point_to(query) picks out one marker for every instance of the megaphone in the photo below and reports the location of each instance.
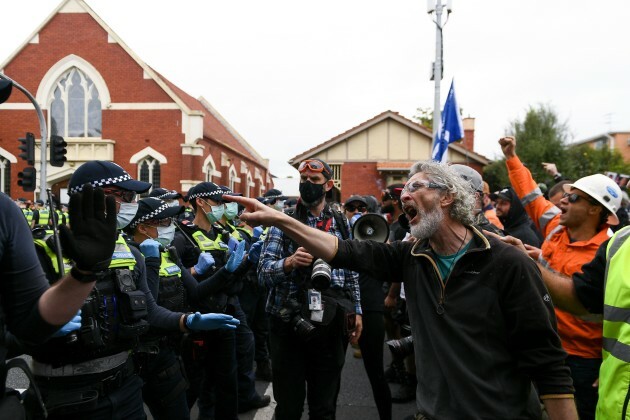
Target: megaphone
(371, 226)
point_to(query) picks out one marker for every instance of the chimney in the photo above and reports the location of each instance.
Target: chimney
(469, 133)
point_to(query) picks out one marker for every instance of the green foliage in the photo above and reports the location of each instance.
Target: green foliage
(584, 160)
(540, 137)
(424, 116)
(496, 175)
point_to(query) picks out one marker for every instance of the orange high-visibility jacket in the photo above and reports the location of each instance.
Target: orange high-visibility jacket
(579, 337)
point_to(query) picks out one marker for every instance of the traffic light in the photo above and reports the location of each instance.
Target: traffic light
(57, 151)
(28, 147)
(27, 179)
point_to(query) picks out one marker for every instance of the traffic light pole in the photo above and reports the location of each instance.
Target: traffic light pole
(43, 131)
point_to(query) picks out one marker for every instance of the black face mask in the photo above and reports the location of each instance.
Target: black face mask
(311, 193)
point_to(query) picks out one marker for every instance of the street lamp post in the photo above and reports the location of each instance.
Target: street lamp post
(436, 6)
(43, 132)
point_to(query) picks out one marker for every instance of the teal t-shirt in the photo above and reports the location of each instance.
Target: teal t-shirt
(446, 262)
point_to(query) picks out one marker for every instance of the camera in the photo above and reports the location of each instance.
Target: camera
(290, 313)
(320, 276)
(401, 348)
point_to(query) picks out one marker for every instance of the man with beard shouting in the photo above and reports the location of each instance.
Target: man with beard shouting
(310, 322)
(482, 321)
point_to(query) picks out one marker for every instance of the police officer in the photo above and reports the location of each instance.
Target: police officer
(41, 214)
(31, 310)
(91, 374)
(211, 364)
(152, 231)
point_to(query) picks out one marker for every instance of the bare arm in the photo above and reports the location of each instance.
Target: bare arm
(562, 291)
(318, 243)
(560, 408)
(62, 301)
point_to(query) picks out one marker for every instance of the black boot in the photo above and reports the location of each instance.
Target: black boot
(395, 372)
(406, 391)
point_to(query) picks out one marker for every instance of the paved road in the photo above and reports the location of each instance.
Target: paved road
(355, 399)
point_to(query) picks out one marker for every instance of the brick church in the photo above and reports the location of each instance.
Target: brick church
(109, 105)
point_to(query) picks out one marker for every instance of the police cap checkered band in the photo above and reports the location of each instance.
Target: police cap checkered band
(164, 194)
(100, 173)
(205, 189)
(153, 208)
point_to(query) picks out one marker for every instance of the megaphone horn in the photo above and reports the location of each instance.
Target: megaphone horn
(371, 226)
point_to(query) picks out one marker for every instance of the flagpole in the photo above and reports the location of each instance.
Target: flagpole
(437, 7)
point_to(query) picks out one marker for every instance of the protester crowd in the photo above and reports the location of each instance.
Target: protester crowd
(482, 296)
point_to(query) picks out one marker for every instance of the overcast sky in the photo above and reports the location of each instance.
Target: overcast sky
(291, 74)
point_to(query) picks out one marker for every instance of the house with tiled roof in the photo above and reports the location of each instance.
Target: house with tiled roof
(380, 151)
(110, 105)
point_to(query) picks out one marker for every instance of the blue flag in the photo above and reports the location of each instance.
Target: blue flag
(451, 128)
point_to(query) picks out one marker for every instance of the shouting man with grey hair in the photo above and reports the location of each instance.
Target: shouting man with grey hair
(482, 321)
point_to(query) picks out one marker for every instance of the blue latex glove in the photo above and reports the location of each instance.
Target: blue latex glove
(204, 263)
(206, 322)
(258, 230)
(232, 244)
(254, 252)
(236, 258)
(73, 325)
(150, 248)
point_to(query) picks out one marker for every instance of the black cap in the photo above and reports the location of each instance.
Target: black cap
(5, 90)
(506, 193)
(40, 202)
(228, 191)
(152, 208)
(205, 190)
(102, 173)
(358, 198)
(164, 194)
(272, 195)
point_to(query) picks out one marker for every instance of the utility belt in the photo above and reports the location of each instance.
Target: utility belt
(72, 388)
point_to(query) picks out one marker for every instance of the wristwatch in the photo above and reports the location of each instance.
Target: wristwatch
(87, 277)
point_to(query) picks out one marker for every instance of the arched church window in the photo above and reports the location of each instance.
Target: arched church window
(75, 108)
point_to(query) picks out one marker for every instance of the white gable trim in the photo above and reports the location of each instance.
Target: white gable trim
(206, 162)
(148, 152)
(8, 155)
(47, 85)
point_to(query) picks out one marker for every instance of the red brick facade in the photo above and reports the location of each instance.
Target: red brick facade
(143, 110)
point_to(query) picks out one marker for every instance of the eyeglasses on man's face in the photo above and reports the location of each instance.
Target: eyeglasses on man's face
(313, 165)
(413, 186)
(575, 197)
(125, 195)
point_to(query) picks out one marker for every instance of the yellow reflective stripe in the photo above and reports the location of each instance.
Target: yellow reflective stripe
(167, 267)
(122, 256)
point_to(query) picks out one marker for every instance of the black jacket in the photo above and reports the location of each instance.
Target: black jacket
(518, 224)
(495, 335)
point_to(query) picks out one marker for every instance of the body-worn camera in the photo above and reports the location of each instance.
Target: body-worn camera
(401, 348)
(321, 275)
(290, 313)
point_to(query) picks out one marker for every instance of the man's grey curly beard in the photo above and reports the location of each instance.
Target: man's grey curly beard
(428, 224)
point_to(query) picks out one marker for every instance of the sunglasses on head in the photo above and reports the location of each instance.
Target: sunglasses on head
(350, 207)
(126, 195)
(313, 165)
(414, 186)
(573, 197)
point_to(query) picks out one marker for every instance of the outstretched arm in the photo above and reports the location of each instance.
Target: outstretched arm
(318, 243)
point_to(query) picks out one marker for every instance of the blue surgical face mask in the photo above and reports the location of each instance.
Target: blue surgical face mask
(126, 213)
(231, 210)
(279, 205)
(173, 203)
(215, 214)
(165, 235)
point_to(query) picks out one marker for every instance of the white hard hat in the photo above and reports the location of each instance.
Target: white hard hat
(604, 190)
